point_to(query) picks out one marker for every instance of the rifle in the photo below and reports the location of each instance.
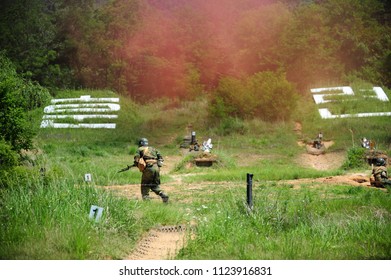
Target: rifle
(126, 168)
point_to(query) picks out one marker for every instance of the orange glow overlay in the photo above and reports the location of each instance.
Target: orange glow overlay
(185, 44)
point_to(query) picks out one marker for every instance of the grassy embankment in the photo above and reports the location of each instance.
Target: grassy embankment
(46, 217)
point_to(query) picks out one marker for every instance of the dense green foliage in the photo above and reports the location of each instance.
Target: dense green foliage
(8, 157)
(334, 41)
(17, 98)
(31, 38)
(264, 95)
(355, 158)
(148, 49)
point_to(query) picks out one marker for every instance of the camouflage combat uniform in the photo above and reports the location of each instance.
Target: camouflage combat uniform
(150, 179)
(380, 175)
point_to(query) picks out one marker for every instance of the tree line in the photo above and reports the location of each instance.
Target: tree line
(176, 48)
(185, 45)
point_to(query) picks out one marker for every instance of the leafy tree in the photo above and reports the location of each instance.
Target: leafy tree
(200, 48)
(308, 49)
(17, 98)
(96, 36)
(364, 40)
(232, 99)
(329, 40)
(29, 36)
(258, 35)
(78, 29)
(157, 60)
(276, 96)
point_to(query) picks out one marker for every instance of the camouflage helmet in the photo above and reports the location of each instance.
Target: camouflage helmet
(143, 142)
(380, 162)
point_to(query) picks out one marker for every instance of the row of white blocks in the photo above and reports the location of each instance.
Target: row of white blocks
(85, 104)
(319, 95)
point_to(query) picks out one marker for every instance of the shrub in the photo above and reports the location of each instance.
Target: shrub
(8, 158)
(355, 158)
(265, 95)
(17, 98)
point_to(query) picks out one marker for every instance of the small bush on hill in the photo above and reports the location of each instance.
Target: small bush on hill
(265, 95)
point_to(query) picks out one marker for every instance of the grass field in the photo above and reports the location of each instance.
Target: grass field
(45, 216)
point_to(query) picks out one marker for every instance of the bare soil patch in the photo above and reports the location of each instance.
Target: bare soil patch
(326, 161)
(356, 179)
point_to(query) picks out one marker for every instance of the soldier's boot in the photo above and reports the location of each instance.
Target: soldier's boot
(146, 197)
(164, 197)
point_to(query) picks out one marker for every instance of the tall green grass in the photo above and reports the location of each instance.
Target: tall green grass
(46, 217)
(42, 220)
(323, 223)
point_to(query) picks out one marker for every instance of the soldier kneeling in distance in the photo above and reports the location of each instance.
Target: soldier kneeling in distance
(379, 173)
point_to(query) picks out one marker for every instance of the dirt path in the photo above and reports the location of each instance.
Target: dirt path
(165, 242)
(160, 244)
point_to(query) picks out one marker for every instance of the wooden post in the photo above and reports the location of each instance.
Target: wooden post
(250, 191)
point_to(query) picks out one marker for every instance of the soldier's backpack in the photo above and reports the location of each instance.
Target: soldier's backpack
(141, 163)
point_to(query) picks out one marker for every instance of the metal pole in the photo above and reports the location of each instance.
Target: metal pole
(250, 191)
(193, 137)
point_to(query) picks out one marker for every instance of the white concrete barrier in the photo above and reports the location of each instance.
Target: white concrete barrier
(49, 123)
(84, 104)
(94, 107)
(326, 114)
(85, 98)
(80, 117)
(381, 95)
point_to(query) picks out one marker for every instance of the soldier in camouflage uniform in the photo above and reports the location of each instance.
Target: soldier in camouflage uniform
(318, 141)
(150, 179)
(380, 173)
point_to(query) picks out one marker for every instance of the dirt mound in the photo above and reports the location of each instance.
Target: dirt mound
(321, 160)
(326, 161)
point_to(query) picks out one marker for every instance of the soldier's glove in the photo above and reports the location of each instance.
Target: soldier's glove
(160, 162)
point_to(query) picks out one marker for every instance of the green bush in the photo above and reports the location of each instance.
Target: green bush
(355, 158)
(17, 98)
(265, 95)
(8, 158)
(18, 176)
